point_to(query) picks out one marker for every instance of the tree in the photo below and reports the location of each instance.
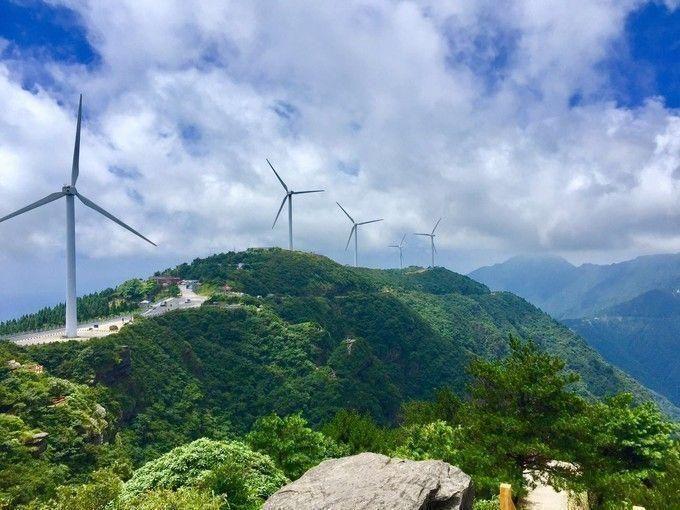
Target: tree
(436, 440)
(628, 447)
(196, 465)
(359, 433)
(291, 444)
(101, 489)
(521, 415)
(186, 498)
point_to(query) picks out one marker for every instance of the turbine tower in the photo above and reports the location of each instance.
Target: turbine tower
(400, 247)
(289, 197)
(431, 235)
(355, 232)
(70, 192)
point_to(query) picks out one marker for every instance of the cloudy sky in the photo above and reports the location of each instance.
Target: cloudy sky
(530, 126)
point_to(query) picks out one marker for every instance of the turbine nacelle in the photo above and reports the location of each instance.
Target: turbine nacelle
(69, 190)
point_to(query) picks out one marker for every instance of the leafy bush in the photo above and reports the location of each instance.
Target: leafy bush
(195, 465)
(185, 498)
(291, 444)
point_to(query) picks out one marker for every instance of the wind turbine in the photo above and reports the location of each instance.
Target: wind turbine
(400, 247)
(431, 235)
(289, 197)
(355, 232)
(70, 192)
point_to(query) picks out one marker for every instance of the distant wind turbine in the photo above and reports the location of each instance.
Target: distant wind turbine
(431, 235)
(70, 192)
(289, 197)
(355, 232)
(400, 247)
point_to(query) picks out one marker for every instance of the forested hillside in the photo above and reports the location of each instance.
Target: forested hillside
(642, 336)
(287, 333)
(629, 312)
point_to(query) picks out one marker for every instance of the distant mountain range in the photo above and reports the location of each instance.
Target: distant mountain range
(566, 291)
(629, 311)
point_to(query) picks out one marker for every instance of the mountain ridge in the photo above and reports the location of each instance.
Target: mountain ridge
(417, 329)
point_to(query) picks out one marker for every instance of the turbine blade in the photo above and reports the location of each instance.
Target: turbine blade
(343, 210)
(402, 240)
(42, 201)
(417, 234)
(435, 248)
(278, 177)
(393, 246)
(367, 222)
(110, 216)
(309, 191)
(354, 227)
(75, 169)
(280, 209)
(436, 225)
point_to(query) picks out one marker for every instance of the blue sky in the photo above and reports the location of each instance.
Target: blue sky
(645, 61)
(541, 127)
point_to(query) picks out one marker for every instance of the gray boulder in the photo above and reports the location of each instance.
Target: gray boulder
(376, 482)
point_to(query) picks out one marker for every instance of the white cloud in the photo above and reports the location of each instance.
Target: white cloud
(406, 110)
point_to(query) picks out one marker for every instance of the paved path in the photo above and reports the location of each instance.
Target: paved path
(544, 497)
(96, 329)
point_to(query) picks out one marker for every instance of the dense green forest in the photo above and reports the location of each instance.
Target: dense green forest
(629, 311)
(641, 337)
(108, 302)
(217, 407)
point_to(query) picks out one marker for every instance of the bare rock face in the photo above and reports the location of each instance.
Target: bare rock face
(376, 482)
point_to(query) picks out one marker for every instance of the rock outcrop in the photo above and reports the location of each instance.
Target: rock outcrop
(376, 482)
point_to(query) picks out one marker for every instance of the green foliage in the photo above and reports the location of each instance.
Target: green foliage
(628, 445)
(487, 504)
(353, 352)
(102, 488)
(291, 444)
(523, 415)
(185, 498)
(195, 465)
(436, 440)
(359, 433)
(51, 430)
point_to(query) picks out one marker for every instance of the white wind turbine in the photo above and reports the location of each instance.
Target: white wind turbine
(289, 197)
(70, 192)
(355, 232)
(431, 235)
(400, 247)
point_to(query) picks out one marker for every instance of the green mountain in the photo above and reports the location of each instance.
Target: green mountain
(566, 291)
(629, 312)
(283, 332)
(309, 334)
(641, 337)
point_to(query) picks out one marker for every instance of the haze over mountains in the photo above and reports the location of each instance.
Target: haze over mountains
(628, 311)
